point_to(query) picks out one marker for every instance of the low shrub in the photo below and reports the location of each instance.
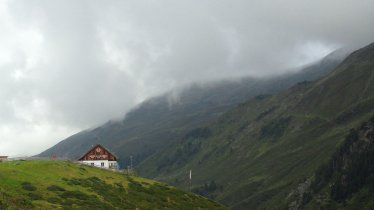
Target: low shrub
(28, 186)
(55, 188)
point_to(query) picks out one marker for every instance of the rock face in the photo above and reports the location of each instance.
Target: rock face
(349, 172)
(353, 162)
(299, 195)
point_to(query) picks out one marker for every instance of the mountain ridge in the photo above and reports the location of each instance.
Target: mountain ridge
(156, 122)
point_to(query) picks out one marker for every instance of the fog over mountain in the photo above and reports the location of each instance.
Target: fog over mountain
(70, 65)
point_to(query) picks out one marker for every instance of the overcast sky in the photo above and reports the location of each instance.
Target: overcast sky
(70, 65)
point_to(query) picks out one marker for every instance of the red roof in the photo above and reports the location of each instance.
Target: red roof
(99, 152)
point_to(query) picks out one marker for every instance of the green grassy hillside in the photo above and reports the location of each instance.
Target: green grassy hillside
(67, 185)
(256, 155)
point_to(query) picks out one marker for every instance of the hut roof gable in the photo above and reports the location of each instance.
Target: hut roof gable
(98, 152)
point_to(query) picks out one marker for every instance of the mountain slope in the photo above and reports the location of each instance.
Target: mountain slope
(162, 120)
(61, 184)
(255, 155)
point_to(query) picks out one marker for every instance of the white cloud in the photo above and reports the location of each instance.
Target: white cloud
(70, 65)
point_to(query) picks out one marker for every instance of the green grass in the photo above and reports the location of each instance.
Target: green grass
(67, 185)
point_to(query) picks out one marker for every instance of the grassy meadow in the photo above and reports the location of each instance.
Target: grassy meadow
(42, 184)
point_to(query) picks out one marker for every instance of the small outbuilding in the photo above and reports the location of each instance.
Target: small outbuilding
(101, 157)
(3, 158)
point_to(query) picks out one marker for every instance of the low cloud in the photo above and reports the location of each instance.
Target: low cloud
(71, 65)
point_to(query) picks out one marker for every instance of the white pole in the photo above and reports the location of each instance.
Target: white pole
(190, 179)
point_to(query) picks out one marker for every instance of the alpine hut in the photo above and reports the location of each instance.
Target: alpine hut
(101, 157)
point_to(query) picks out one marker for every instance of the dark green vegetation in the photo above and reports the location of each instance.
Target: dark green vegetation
(163, 120)
(264, 153)
(65, 185)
